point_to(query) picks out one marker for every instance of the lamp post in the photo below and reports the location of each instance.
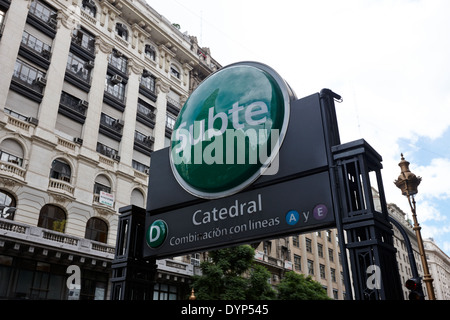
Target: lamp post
(408, 182)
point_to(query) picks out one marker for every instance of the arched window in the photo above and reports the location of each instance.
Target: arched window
(60, 170)
(11, 151)
(7, 205)
(89, 7)
(97, 230)
(122, 31)
(174, 71)
(150, 52)
(102, 183)
(52, 217)
(137, 198)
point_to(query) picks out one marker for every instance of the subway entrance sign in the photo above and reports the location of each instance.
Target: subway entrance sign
(248, 161)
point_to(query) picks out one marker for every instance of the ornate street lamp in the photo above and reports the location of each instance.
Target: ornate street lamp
(408, 182)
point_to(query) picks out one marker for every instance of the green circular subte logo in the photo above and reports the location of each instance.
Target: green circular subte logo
(156, 234)
(230, 130)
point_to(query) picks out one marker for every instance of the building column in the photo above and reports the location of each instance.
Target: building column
(129, 115)
(162, 89)
(55, 74)
(91, 125)
(14, 23)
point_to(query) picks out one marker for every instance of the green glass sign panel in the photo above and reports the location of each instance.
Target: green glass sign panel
(229, 130)
(156, 234)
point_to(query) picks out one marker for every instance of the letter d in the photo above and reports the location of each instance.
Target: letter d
(158, 233)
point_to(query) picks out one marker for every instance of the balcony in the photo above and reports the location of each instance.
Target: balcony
(61, 189)
(108, 152)
(111, 127)
(11, 172)
(26, 77)
(102, 207)
(143, 143)
(146, 114)
(73, 108)
(35, 50)
(20, 232)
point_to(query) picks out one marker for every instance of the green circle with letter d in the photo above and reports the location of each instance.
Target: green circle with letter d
(230, 130)
(156, 233)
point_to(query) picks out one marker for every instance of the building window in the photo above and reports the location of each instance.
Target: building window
(322, 271)
(89, 7)
(28, 76)
(111, 123)
(84, 39)
(73, 103)
(150, 52)
(145, 110)
(36, 45)
(308, 245)
(295, 241)
(162, 291)
(140, 166)
(60, 170)
(7, 205)
(11, 152)
(77, 67)
(43, 12)
(16, 114)
(329, 235)
(115, 87)
(137, 198)
(97, 230)
(102, 184)
(267, 247)
(333, 274)
(170, 121)
(122, 31)
(2, 19)
(52, 217)
(320, 250)
(310, 267)
(297, 262)
(174, 71)
(108, 151)
(331, 255)
(118, 61)
(148, 81)
(335, 294)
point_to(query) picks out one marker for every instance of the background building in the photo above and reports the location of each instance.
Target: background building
(316, 254)
(89, 88)
(439, 266)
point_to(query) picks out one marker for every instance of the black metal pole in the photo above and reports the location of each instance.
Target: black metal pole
(331, 139)
(412, 260)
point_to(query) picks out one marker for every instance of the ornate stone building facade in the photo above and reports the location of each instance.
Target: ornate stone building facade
(89, 88)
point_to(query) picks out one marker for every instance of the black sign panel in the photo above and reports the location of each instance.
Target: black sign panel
(298, 198)
(290, 207)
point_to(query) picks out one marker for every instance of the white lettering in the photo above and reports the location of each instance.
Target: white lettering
(250, 112)
(212, 118)
(306, 215)
(158, 233)
(236, 209)
(374, 280)
(234, 111)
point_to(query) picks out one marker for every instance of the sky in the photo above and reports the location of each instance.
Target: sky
(389, 60)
